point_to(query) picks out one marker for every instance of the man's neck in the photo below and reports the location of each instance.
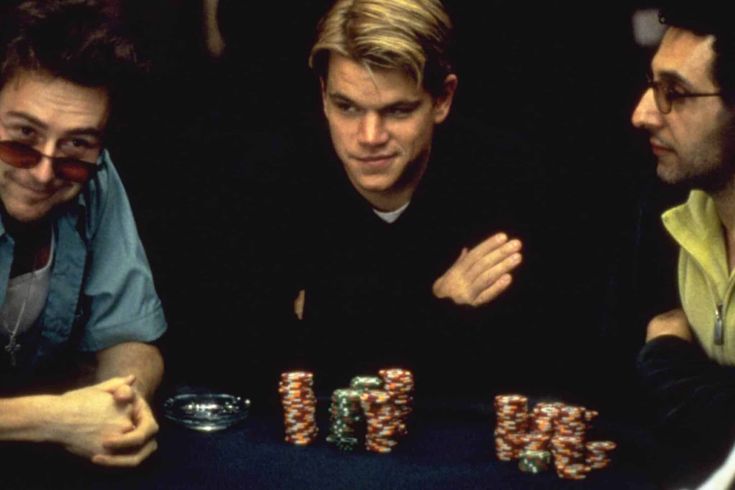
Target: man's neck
(32, 244)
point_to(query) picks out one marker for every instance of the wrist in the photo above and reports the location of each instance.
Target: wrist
(28, 418)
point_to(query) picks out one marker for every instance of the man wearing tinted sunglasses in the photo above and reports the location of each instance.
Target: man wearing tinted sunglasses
(74, 278)
(688, 361)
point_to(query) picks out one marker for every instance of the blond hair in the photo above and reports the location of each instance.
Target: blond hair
(410, 35)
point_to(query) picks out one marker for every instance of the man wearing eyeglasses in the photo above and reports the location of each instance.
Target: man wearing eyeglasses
(689, 112)
(74, 278)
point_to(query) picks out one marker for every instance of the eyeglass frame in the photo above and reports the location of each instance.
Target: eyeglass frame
(665, 99)
(56, 161)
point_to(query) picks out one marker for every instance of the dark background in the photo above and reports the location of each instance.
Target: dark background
(204, 144)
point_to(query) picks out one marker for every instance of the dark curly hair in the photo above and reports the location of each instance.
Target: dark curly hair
(76, 40)
(709, 18)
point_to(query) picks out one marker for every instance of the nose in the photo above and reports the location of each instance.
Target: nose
(43, 172)
(646, 114)
(372, 131)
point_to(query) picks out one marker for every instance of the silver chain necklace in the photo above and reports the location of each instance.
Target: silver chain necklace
(13, 346)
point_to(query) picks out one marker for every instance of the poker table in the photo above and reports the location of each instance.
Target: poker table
(450, 445)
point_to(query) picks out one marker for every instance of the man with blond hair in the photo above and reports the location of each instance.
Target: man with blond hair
(402, 247)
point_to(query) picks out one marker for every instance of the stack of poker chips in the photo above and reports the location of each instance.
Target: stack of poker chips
(569, 456)
(382, 420)
(346, 419)
(399, 384)
(551, 429)
(299, 407)
(512, 421)
(598, 454)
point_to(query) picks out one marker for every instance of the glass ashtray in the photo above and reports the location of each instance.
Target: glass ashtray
(206, 412)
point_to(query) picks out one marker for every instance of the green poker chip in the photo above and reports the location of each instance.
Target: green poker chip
(534, 461)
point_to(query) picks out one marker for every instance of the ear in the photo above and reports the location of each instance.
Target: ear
(323, 86)
(443, 103)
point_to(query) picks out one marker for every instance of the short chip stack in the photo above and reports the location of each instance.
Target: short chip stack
(382, 418)
(550, 429)
(299, 407)
(399, 385)
(598, 454)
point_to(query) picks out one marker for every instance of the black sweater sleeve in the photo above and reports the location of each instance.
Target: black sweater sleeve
(692, 396)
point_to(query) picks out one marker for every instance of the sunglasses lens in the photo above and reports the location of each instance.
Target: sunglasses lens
(18, 155)
(73, 169)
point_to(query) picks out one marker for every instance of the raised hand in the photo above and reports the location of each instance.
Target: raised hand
(481, 274)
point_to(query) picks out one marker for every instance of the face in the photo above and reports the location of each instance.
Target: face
(381, 126)
(692, 142)
(57, 118)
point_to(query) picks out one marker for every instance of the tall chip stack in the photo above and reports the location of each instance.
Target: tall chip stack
(512, 422)
(400, 385)
(299, 407)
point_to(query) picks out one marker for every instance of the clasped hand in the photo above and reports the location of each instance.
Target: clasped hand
(109, 423)
(481, 274)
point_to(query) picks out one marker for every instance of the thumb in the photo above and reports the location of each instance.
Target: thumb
(124, 394)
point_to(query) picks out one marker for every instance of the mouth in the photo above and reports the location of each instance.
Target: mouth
(376, 160)
(659, 149)
(36, 192)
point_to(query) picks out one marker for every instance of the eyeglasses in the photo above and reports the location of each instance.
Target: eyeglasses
(20, 155)
(665, 95)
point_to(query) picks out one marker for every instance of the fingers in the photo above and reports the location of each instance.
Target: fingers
(482, 273)
(493, 272)
(113, 384)
(128, 459)
(145, 428)
(494, 290)
(494, 281)
(492, 258)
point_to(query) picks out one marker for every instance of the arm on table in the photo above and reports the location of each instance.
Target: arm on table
(481, 274)
(692, 395)
(79, 419)
(109, 422)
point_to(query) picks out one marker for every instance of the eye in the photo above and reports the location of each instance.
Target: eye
(346, 107)
(23, 133)
(400, 111)
(76, 146)
(672, 92)
(79, 143)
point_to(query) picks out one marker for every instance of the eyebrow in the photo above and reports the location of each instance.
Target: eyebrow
(673, 76)
(83, 131)
(409, 103)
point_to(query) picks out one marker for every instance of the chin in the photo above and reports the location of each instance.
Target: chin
(24, 214)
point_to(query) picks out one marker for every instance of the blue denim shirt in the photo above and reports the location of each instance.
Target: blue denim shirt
(101, 289)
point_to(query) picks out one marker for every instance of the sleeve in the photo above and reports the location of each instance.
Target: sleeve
(118, 287)
(692, 396)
